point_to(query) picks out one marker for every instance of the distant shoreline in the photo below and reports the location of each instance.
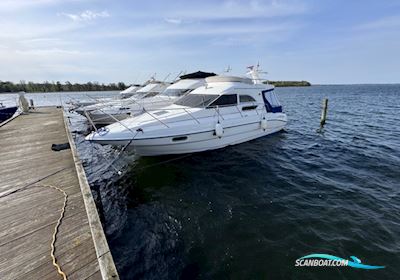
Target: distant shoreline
(31, 87)
(289, 83)
(95, 87)
(71, 91)
(48, 87)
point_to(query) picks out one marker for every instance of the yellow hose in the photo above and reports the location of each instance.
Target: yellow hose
(59, 270)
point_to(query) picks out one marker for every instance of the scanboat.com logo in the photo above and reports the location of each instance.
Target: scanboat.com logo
(330, 260)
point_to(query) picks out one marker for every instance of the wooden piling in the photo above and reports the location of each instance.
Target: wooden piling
(324, 112)
(32, 105)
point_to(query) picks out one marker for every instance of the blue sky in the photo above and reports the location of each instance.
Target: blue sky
(325, 41)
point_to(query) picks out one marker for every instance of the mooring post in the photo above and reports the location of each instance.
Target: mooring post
(324, 111)
(32, 106)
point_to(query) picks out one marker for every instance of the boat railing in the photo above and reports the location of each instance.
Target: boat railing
(154, 117)
(260, 110)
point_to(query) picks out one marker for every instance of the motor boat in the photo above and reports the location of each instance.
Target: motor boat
(7, 112)
(109, 113)
(130, 91)
(226, 111)
(134, 107)
(79, 106)
(151, 89)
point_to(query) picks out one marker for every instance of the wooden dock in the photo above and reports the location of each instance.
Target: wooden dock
(29, 209)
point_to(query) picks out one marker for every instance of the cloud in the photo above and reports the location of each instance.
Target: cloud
(48, 64)
(86, 15)
(173, 20)
(242, 9)
(50, 52)
(10, 5)
(385, 23)
(160, 31)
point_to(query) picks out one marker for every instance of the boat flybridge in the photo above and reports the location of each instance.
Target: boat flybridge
(226, 111)
(151, 89)
(134, 107)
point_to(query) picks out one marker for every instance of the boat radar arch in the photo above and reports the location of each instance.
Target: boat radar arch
(254, 72)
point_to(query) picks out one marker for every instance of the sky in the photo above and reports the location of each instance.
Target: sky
(321, 41)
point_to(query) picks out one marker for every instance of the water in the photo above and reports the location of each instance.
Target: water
(249, 211)
(57, 98)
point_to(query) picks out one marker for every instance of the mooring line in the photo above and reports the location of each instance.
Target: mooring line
(163, 162)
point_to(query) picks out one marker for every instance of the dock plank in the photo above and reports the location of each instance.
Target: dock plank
(29, 211)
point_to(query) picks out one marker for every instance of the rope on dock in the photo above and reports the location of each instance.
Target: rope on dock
(52, 245)
(34, 182)
(54, 237)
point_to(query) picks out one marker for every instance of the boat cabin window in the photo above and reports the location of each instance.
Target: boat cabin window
(224, 100)
(246, 98)
(196, 100)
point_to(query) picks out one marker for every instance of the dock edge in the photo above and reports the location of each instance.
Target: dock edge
(104, 257)
(10, 119)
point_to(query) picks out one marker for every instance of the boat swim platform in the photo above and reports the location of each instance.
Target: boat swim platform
(30, 209)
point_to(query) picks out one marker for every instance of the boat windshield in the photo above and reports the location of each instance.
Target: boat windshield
(175, 92)
(196, 100)
(139, 95)
(150, 94)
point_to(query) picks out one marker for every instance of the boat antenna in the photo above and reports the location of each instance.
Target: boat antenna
(177, 76)
(166, 77)
(228, 69)
(136, 79)
(254, 72)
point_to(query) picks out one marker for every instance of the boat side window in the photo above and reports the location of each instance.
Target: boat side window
(179, 138)
(247, 108)
(196, 100)
(224, 100)
(246, 98)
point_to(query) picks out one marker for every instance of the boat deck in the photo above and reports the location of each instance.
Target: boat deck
(29, 209)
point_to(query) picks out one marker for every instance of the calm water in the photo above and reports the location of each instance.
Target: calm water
(249, 211)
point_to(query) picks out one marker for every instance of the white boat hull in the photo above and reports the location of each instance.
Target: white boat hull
(201, 141)
(226, 112)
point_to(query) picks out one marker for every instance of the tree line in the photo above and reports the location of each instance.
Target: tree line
(58, 86)
(289, 83)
